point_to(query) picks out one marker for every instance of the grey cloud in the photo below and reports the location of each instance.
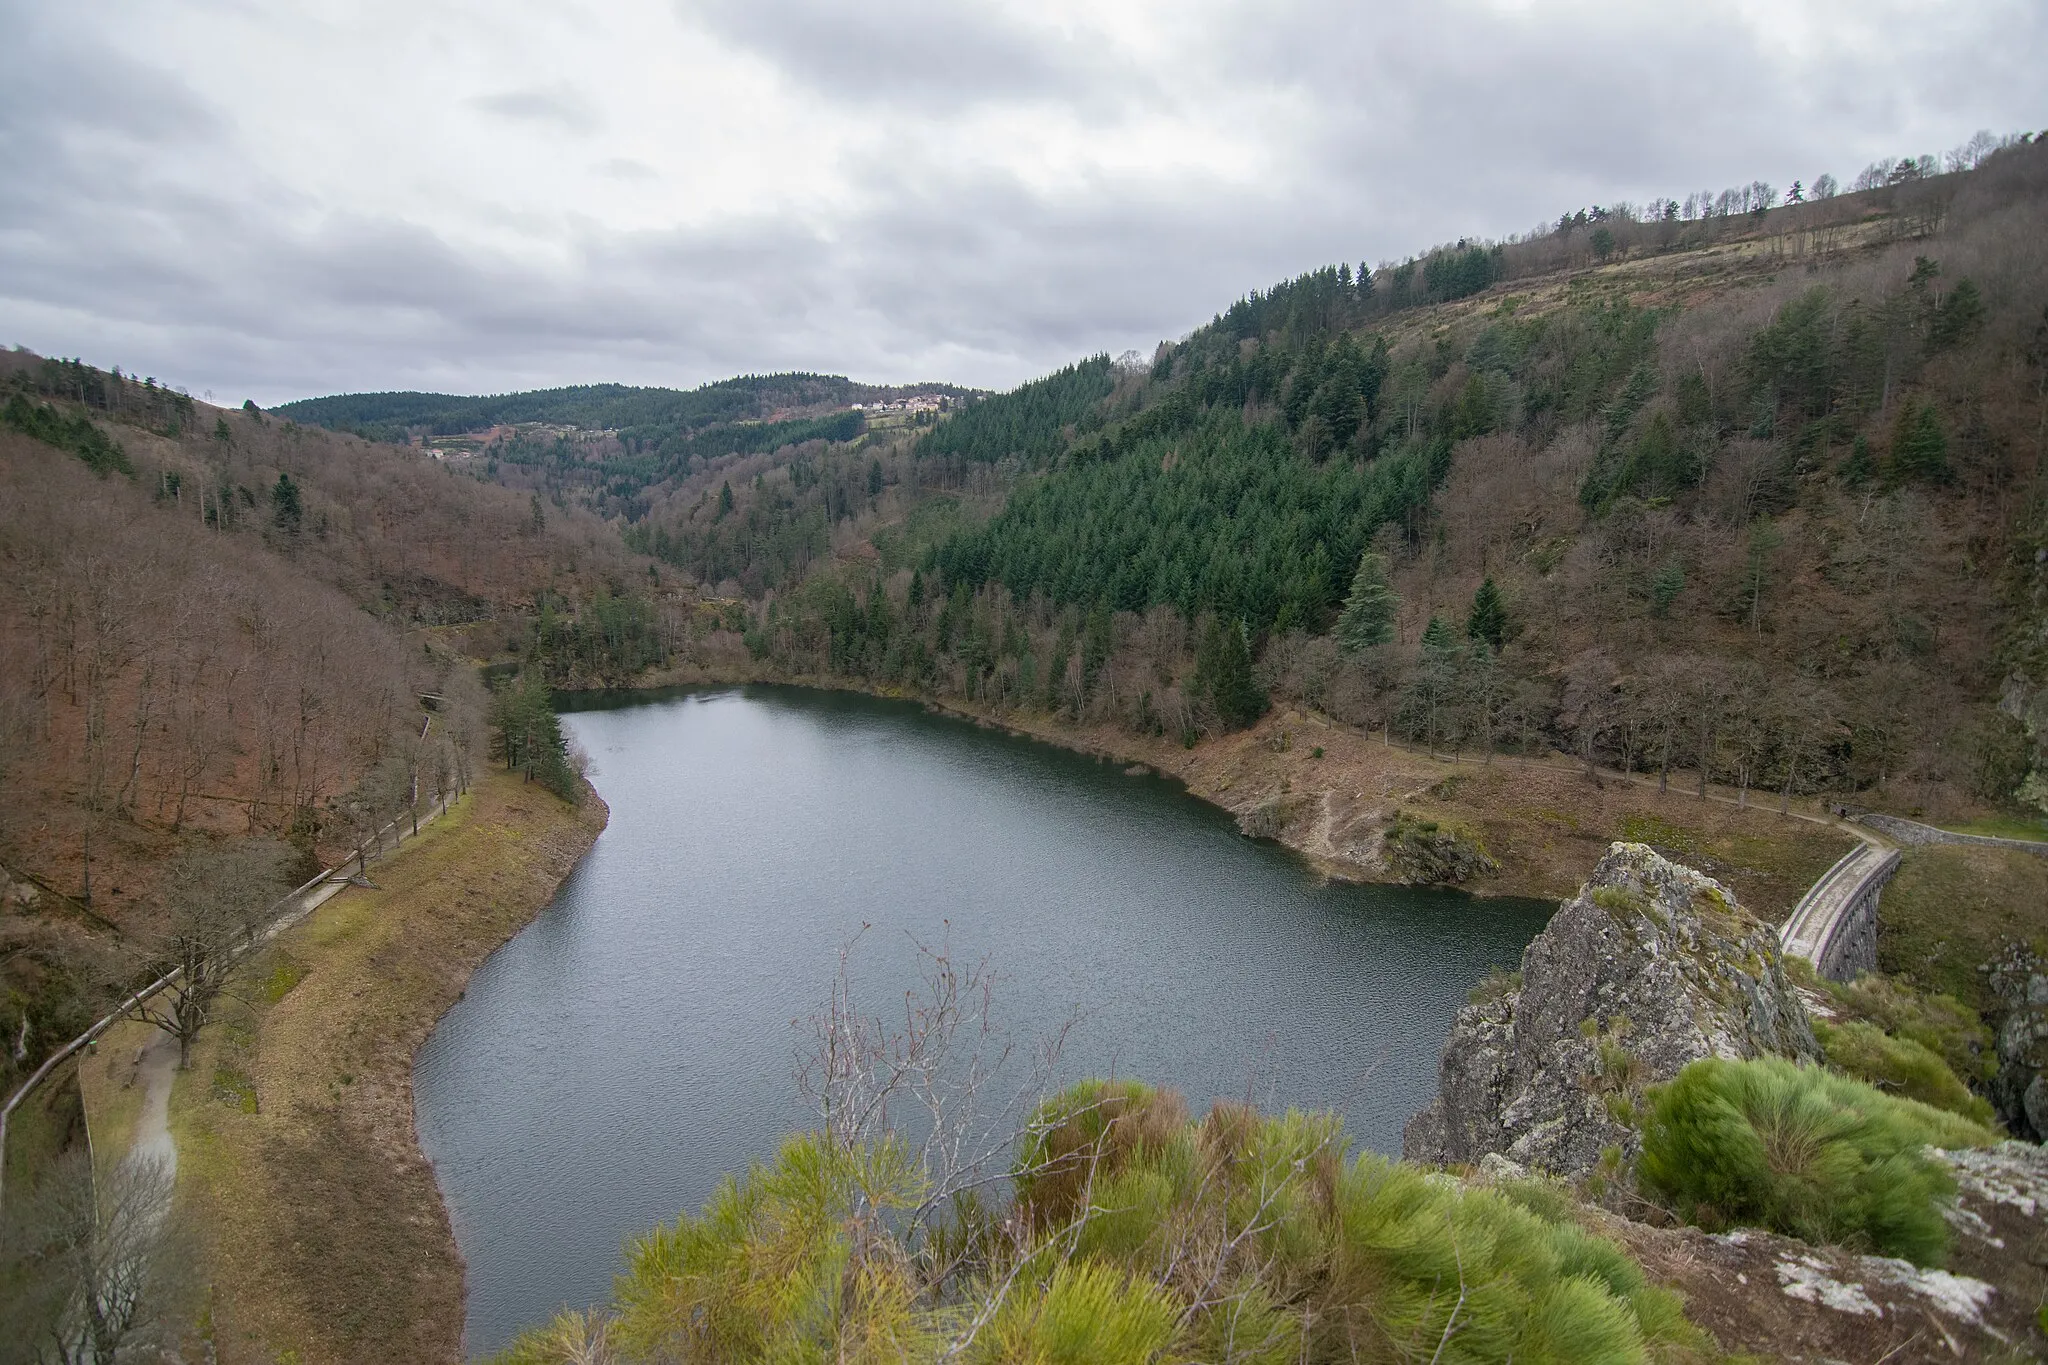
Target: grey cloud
(924, 52)
(1427, 123)
(625, 168)
(561, 107)
(54, 82)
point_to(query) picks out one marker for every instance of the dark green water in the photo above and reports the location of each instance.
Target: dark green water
(635, 1042)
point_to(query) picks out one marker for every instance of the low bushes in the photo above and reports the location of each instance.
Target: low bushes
(1802, 1151)
(1137, 1236)
(1900, 1066)
(1942, 1024)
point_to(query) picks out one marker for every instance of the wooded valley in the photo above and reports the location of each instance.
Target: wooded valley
(1746, 491)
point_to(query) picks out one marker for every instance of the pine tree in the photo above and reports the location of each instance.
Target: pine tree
(1368, 616)
(1223, 673)
(1437, 637)
(1489, 618)
(290, 510)
(1920, 447)
(1096, 642)
(1861, 467)
(527, 734)
(1665, 587)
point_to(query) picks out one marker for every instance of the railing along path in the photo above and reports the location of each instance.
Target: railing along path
(288, 910)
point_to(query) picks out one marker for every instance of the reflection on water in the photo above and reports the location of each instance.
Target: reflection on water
(633, 1044)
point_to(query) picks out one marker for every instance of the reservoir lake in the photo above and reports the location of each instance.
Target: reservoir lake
(638, 1041)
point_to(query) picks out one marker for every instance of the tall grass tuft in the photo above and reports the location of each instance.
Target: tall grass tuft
(1805, 1152)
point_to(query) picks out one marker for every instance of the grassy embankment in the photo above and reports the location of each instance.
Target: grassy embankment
(325, 1235)
(1952, 908)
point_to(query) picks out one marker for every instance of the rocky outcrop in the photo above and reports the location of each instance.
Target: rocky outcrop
(1424, 852)
(1651, 966)
(2020, 1090)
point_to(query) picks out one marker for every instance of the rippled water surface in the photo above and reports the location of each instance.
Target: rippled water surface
(635, 1042)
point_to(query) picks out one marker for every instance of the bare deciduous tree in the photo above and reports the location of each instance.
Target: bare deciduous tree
(95, 1264)
(216, 901)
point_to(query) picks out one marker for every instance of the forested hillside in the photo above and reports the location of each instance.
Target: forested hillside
(1748, 488)
(223, 624)
(618, 451)
(642, 413)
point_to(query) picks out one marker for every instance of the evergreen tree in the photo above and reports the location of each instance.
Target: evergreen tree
(1437, 637)
(1096, 642)
(1368, 615)
(1920, 447)
(1861, 467)
(1665, 587)
(288, 509)
(1957, 318)
(527, 734)
(1223, 673)
(725, 498)
(874, 479)
(1489, 618)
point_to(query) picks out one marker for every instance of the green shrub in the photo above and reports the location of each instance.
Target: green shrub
(1899, 1066)
(1086, 1314)
(1942, 1024)
(1802, 1151)
(1142, 1238)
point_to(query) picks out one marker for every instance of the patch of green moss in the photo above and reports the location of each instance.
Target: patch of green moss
(1650, 829)
(235, 1087)
(284, 972)
(1433, 851)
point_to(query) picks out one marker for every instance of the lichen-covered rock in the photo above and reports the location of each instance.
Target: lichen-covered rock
(1424, 852)
(1779, 1298)
(1271, 817)
(1651, 966)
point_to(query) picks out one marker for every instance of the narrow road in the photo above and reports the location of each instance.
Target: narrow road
(155, 1073)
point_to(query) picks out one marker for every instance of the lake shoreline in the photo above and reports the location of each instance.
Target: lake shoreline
(1334, 789)
(330, 1235)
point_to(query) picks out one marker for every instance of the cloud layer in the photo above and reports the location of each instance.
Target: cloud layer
(276, 201)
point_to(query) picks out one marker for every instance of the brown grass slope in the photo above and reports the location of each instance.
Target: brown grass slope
(327, 1236)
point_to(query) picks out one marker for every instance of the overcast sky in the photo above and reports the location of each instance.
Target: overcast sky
(280, 200)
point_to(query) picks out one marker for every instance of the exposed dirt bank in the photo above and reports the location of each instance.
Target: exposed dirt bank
(326, 1237)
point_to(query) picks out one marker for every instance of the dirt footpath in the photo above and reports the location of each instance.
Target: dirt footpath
(326, 1237)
